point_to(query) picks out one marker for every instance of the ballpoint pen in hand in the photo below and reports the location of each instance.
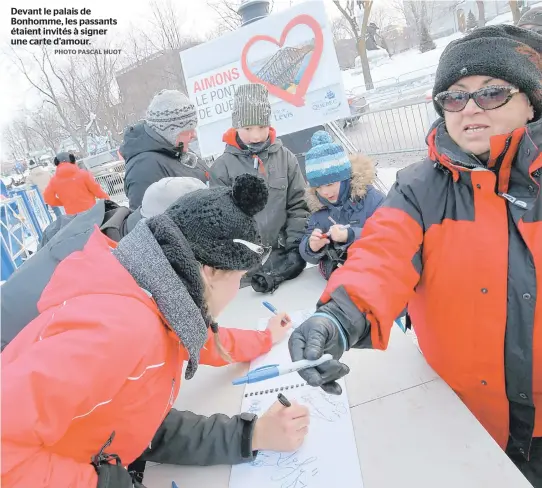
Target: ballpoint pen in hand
(273, 310)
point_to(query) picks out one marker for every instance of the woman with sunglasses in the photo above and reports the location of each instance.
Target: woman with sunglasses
(91, 379)
(459, 239)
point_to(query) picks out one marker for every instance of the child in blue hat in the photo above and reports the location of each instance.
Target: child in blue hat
(340, 198)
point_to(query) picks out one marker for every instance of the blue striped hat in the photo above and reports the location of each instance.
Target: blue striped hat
(326, 162)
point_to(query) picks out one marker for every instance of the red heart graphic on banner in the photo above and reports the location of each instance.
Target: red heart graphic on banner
(297, 98)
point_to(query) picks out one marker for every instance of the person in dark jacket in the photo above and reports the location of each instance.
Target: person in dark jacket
(252, 147)
(158, 147)
(459, 238)
(341, 198)
(157, 295)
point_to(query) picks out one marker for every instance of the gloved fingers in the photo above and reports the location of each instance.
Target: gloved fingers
(296, 345)
(332, 371)
(316, 337)
(332, 388)
(311, 376)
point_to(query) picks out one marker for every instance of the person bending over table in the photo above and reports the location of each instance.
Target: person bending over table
(86, 385)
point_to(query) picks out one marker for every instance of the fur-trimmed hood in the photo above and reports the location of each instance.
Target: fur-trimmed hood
(363, 175)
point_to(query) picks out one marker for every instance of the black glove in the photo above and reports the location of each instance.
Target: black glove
(282, 265)
(337, 326)
(316, 336)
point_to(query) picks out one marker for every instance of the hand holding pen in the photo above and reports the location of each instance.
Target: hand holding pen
(279, 324)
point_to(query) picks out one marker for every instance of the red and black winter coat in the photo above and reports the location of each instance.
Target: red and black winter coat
(462, 245)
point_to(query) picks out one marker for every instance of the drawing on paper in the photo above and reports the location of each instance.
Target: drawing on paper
(324, 406)
(292, 470)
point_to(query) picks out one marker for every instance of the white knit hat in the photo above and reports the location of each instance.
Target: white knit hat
(160, 195)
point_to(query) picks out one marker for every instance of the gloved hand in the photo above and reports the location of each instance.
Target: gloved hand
(316, 336)
(115, 476)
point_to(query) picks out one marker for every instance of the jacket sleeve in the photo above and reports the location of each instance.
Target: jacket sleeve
(383, 267)
(306, 252)
(219, 173)
(94, 187)
(49, 196)
(242, 345)
(375, 198)
(185, 438)
(297, 211)
(139, 176)
(63, 376)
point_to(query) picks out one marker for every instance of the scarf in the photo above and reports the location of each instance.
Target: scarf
(178, 289)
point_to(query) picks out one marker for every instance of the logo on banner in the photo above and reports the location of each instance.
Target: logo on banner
(289, 72)
(329, 104)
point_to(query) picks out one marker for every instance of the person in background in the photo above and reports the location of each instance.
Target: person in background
(341, 198)
(459, 238)
(158, 147)
(73, 399)
(72, 188)
(252, 147)
(41, 177)
(532, 20)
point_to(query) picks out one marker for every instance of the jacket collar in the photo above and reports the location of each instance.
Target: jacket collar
(518, 150)
(363, 175)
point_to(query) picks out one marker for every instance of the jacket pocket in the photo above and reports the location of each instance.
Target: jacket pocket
(278, 184)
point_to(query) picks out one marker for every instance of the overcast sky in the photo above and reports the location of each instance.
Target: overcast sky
(17, 94)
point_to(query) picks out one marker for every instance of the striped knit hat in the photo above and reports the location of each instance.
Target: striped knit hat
(170, 113)
(251, 106)
(326, 162)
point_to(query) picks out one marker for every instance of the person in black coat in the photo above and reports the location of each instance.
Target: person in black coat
(158, 147)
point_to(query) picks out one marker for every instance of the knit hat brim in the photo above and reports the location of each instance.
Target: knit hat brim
(503, 52)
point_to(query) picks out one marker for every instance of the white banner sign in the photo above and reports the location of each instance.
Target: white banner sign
(291, 53)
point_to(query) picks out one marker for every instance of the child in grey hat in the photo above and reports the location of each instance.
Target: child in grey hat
(252, 147)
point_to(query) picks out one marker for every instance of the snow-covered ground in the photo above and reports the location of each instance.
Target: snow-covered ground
(411, 64)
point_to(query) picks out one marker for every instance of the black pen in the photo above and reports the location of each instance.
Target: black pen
(282, 399)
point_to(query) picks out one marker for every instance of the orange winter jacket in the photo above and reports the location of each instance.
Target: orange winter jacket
(461, 243)
(72, 188)
(99, 358)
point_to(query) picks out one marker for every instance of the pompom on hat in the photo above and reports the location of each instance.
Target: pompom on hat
(212, 219)
(326, 162)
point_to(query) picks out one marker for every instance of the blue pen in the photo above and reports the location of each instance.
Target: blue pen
(274, 370)
(273, 310)
(174, 485)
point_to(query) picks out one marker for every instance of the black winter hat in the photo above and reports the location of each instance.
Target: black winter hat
(500, 51)
(211, 219)
(64, 157)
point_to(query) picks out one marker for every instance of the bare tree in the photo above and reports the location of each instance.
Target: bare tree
(49, 83)
(481, 13)
(229, 18)
(516, 13)
(350, 11)
(419, 13)
(341, 29)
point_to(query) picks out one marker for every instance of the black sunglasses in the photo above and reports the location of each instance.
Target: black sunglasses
(488, 98)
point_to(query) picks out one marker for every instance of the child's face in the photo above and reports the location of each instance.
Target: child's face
(330, 192)
(253, 134)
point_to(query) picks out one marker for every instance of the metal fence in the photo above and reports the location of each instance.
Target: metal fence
(399, 129)
(113, 183)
